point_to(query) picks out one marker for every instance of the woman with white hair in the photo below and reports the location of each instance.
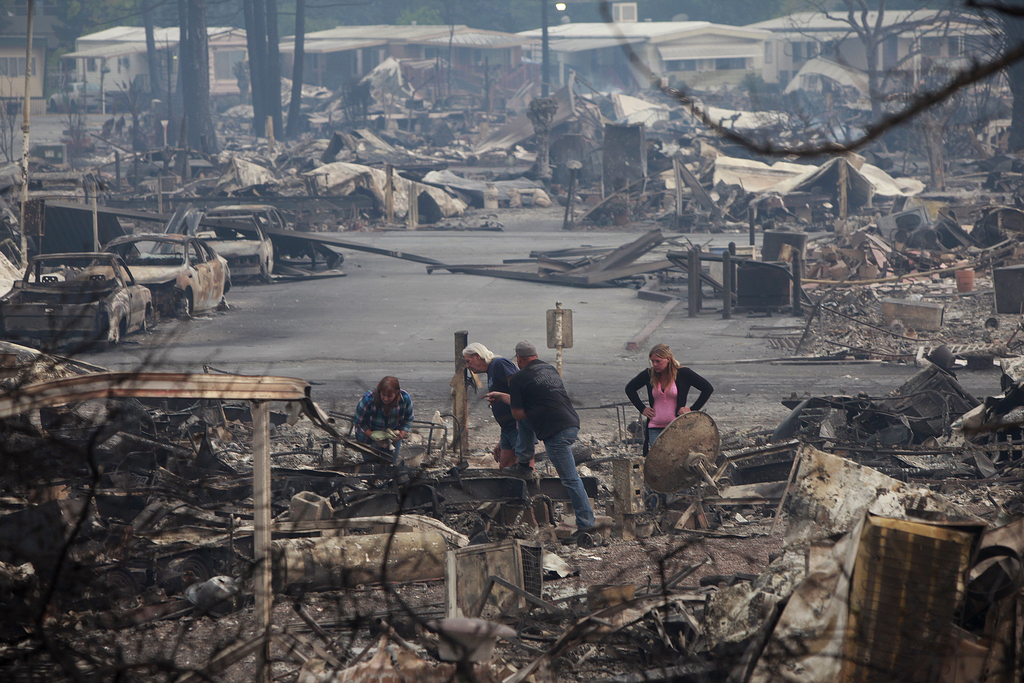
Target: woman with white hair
(480, 359)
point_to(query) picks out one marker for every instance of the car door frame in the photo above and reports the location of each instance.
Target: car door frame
(136, 303)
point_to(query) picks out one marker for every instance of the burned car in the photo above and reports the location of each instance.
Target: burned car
(87, 296)
(266, 215)
(240, 240)
(184, 274)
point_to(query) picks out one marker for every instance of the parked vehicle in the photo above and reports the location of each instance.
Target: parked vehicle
(269, 218)
(267, 215)
(240, 239)
(88, 296)
(184, 274)
(87, 97)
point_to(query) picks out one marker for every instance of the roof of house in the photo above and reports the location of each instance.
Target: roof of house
(342, 38)
(163, 36)
(655, 31)
(584, 44)
(480, 38)
(460, 34)
(835, 22)
(321, 45)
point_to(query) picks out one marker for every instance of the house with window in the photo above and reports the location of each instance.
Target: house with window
(116, 57)
(912, 42)
(12, 52)
(12, 70)
(338, 55)
(691, 53)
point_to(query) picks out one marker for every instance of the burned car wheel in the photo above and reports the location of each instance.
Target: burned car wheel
(265, 274)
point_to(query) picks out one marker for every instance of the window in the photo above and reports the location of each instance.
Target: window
(124, 63)
(798, 52)
(812, 50)
(224, 63)
(15, 66)
(828, 49)
(955, 46)
(932, 47)
(681, 65)
(624, 12)
(90, 64)
(730, 64)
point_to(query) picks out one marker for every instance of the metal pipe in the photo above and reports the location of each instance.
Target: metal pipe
(26, 115)
(726, 285)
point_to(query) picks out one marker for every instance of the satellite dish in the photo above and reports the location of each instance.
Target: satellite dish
(564, 20)
(681, 17)
(684, 453)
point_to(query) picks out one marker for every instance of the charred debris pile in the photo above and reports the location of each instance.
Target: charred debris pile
(130, 522)
(133, 521)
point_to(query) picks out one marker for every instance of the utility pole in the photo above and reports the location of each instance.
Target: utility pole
(544, 51)
(26, 113)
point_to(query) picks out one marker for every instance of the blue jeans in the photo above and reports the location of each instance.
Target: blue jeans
(652, 435)
(559, 449)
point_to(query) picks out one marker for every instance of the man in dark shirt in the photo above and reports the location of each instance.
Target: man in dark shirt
(541, 404)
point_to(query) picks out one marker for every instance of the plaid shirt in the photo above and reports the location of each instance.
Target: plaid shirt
(370, 416)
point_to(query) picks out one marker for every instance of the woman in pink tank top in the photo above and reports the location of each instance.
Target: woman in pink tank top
(667, 383)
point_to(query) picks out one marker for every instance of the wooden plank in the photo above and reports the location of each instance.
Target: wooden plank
(614, 274)
(261, 521)
(700, 193)
(625, 254)
(643, 335)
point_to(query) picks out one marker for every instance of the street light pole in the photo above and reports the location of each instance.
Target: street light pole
(26, 107)
(545, 61)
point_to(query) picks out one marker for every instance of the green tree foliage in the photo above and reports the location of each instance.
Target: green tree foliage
(81, 17)
(422, 15)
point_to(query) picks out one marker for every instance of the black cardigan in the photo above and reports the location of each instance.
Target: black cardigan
(685, 378)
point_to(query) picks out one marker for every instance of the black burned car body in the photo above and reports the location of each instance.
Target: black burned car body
(184, 274)
(91, 296)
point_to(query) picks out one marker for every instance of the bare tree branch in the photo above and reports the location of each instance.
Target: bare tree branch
(975, 73)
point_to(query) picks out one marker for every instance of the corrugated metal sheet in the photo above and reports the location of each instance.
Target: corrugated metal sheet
(68, 228)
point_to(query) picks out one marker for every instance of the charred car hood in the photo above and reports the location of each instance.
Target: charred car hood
(234, 248)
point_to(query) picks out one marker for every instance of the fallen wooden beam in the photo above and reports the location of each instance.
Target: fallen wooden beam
(643, 335)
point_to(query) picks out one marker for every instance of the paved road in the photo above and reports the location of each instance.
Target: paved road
(388, 316)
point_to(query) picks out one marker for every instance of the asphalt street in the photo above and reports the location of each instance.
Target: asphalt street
(388, 316)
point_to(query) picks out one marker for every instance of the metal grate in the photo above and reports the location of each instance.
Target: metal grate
(533, 567)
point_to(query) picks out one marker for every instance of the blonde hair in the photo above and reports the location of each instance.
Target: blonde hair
(663, 351)
(478, 349)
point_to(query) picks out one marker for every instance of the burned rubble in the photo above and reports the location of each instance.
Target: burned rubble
(859, 534)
